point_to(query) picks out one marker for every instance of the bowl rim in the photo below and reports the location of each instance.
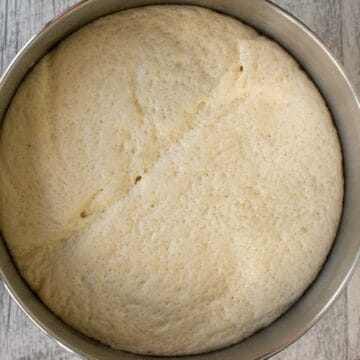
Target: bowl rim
(3, 272)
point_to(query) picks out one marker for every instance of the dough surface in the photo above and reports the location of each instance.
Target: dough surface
(170, 180)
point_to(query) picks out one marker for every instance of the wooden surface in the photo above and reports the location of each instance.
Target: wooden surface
(337, 335)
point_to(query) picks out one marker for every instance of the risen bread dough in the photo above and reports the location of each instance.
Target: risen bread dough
(170, 181)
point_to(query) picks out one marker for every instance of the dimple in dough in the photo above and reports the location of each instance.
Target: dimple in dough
(170, 180)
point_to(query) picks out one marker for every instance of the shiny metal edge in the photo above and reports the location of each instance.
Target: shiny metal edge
(36, 322)
(320, 42)
(345, 77)
(329, 303)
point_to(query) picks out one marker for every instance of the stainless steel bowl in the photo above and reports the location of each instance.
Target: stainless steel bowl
(330, 78)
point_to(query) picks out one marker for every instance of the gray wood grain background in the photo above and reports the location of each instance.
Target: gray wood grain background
(337, 335)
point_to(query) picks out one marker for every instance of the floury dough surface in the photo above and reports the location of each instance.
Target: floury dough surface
(170, 181)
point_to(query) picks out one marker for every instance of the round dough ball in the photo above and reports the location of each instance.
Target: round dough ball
(170, 180)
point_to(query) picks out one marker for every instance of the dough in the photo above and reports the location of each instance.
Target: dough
(170, 180)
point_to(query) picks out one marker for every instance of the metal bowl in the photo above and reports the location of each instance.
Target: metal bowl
(330, 78)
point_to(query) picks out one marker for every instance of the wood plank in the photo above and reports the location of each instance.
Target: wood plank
(351, 61)
(337, 335)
